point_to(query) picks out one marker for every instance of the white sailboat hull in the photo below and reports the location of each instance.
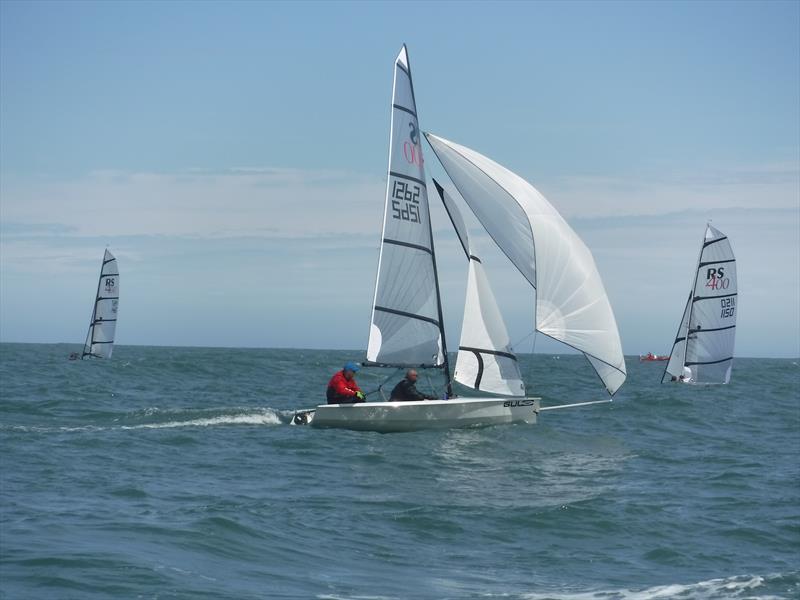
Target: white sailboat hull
(388, 417)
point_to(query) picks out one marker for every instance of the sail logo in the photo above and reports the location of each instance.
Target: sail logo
(110, 282)
(517, 403)
(411, 150)
(716, 280)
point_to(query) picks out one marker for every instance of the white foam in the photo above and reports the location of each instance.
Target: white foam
(266, 417)
(742, 587)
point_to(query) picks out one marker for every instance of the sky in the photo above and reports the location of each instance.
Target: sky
(233, 157)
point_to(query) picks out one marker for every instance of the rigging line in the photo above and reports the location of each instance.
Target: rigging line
(517, 343)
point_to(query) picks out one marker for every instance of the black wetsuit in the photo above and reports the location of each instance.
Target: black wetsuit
(406, 391)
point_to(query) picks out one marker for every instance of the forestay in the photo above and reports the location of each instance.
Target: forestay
(406, 323)
(100, 339)
(703, 348)
(485, 359)
(571, 302)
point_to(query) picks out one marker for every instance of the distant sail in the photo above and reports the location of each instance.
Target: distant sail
(571, 302)
(703, 349)
(485, 360)
(406, 324)
(100, 339)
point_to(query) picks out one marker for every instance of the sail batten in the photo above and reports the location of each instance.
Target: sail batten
(102, 326)
(703, 349)
(406, 322)
(571, 302)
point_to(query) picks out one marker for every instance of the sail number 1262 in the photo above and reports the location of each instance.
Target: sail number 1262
(405, 201)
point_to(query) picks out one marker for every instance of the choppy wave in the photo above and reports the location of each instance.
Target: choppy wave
(165, 473)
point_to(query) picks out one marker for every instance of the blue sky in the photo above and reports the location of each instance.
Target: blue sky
(233, 155)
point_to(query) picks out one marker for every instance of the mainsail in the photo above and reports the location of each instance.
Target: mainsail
(406, 324)
(571, 302)
(100, 339)
(486, 361)
(703, 348)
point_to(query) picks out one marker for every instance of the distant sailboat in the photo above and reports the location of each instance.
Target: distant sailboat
(100, 339)
(703, 348)
(406, 326)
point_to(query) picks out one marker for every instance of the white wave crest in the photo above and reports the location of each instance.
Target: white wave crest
(742, 587)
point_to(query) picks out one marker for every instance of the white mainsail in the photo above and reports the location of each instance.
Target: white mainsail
(571, 302)
(100, 339)
(486, 361)
(406, 324)
(703, 349)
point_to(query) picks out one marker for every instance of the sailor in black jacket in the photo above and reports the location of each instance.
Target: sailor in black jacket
(406, 390)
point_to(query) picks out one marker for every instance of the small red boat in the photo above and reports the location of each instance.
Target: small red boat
(650, 357)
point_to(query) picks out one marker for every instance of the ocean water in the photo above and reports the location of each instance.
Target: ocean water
(172, 473)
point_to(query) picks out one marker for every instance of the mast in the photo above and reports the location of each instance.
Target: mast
(446, 364)
(90, 333)
(690, 305)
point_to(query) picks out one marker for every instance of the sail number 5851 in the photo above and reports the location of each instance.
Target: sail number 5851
(405, 201)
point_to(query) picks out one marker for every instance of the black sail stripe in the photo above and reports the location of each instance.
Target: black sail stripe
(487, 351)
(714, 241)
(403, 313)
(715, 262)
(480, 369)
(710, 330)
(709, 362)
(404, 109)
(400, 66)
(697, 298)
(407, 245)
(409, 177)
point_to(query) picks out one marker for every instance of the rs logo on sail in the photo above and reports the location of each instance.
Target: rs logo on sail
(716, 280)
(109, 284)
(411, 150)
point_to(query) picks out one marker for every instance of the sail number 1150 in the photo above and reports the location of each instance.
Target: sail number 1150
(405, 201)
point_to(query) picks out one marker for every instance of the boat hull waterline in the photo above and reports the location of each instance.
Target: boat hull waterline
(388, 417)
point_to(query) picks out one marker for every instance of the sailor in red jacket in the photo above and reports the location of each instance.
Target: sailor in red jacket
(343, 389)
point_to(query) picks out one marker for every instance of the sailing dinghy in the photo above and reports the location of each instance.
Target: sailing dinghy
(407, 329)
(703, 349)
(100, 339)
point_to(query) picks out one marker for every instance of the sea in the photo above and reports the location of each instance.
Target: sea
(172, 473)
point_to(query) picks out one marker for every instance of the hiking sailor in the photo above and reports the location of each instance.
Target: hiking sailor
(343, 389)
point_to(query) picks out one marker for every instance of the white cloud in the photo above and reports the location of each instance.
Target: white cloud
(304, 246)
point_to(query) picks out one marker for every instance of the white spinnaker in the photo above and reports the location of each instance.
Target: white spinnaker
(406, 328)
(712, 317)
(678, 355)
(100, 339)
(485, 360)
(571, 302)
